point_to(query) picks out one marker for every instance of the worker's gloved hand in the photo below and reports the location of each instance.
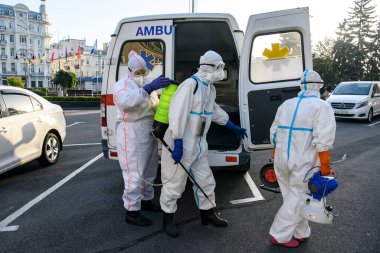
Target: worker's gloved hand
(324, 157)
(274, 152)
(241, 132)
(158, 83)
(178, 150)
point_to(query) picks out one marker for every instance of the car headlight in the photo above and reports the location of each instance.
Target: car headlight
(360, 105)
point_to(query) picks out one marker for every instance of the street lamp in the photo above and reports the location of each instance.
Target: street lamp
(25, 54)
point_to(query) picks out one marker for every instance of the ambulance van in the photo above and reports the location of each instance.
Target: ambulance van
(262, 68)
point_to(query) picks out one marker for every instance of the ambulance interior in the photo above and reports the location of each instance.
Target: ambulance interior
(193, 39)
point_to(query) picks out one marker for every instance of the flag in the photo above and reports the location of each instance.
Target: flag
(42, 58)
(52, 58)
(78, 52)
(94, 47)
(33, 60)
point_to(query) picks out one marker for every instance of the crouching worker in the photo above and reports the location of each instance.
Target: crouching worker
(136, 101)
(303, 132)
(191, 111)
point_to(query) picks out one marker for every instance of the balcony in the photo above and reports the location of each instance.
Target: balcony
(3, 42)
(10, 73)
(37, 73)
(2, 28)
(3, 56)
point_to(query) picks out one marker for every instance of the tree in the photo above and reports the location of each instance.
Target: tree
(323, 61)
(373, 64)
(353, 47)
(65, 79)
(15, 81)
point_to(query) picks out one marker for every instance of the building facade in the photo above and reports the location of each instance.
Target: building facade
(88, 66)
(24, 45)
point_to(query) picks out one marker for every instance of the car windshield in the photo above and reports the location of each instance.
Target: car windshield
(352, 89)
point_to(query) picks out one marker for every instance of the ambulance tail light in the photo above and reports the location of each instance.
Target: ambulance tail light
(231, 159)
(103, 100)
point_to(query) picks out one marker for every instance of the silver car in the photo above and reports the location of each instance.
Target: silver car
(30, 128)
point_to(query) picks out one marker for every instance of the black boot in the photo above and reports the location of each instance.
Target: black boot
(135, 218)
(148, 205)
(169, 225)
(209, 216)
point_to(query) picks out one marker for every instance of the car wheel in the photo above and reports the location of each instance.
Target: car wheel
(370, 116)
(50, 149)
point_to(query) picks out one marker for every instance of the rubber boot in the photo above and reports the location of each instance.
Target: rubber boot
(210, 217)
(148, 205)
(169, 225)
(135, 218)
(293, 243)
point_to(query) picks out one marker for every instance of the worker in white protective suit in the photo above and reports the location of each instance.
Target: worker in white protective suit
(191, 111)
(136, 101)
(302, 133)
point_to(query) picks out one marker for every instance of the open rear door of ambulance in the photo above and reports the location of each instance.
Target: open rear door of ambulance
(153, 40)
(276, 51)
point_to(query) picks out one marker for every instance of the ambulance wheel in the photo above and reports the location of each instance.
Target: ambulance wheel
(244, 167)
(268, 176)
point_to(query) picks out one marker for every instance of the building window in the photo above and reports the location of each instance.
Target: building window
(12, 52)
(4, 67)
(22, 38)
(39, 70)
(13, 67)
(39, 42)
(38, 29)
(23, 67)
(32, 68)
(2, 37)
(88, 61)
(40, 84)
(3, 51)
(11, 38)
(21, 15)
(11, 14)
(33, 84)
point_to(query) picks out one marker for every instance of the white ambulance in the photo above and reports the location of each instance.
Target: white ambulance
(262, 69)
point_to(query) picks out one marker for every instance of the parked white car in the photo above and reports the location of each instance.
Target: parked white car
(356, 100)
(30, 127)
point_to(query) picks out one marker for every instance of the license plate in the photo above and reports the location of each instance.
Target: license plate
(341, 112)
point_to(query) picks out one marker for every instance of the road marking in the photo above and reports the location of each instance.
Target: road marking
(374, 123)
(341, 160)
(75, 123)
(9, 228)
(4, 223)
(81, 144)
(80, 112)
(255, 191)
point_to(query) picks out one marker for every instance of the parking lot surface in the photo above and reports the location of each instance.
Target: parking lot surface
(75, 205)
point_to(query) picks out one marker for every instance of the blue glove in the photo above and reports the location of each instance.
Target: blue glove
(158, 83)
(178, 150)
(240, 132)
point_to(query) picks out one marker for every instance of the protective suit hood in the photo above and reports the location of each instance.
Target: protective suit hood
(310, 83)
(211, 67)
(136, 64)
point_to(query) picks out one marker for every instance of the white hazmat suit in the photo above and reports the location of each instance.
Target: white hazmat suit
(188, 111)
(137, 149)
(303, 127)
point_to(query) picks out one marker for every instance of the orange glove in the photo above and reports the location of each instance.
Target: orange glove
(324, 157)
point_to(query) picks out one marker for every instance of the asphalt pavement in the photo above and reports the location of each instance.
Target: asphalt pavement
(75, 205)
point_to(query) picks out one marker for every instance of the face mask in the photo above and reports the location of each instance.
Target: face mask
(139, 80)
(215, 76)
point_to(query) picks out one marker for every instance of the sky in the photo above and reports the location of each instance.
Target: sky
(97, 19)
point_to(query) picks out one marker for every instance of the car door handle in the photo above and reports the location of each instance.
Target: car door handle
(4, 129)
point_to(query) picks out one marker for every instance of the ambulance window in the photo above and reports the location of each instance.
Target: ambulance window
(276, 57)
(153, 51)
